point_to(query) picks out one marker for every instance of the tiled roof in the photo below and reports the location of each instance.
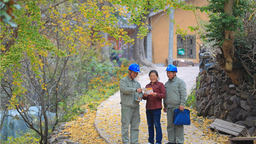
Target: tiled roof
(127, 26)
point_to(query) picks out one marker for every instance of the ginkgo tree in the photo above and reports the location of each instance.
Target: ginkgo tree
(227, 29)
(37, 56)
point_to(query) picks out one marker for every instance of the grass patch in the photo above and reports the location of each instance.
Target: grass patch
(30, 137)
(191, 100)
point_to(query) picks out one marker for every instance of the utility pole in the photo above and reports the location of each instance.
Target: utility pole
(170, 52)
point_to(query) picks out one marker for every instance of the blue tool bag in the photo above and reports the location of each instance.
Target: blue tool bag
(181, 117)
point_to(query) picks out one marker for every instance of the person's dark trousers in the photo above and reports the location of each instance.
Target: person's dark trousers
(153, 118)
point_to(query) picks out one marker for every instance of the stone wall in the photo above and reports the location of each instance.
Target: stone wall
(217, 96)
(60, 137)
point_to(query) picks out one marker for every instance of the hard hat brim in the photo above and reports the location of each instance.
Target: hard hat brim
(135, 71)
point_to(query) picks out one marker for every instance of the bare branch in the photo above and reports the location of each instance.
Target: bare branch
(53, 5)
(2, 120)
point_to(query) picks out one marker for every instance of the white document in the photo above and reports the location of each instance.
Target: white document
(148, 90)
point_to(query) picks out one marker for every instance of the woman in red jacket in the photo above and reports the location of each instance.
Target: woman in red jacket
(154, 107)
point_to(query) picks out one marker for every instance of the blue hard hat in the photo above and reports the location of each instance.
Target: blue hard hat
(134, 67)
(171, 68)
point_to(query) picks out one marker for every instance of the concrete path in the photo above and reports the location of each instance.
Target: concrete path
(108, 119)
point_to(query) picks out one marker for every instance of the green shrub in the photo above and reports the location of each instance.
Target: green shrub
(191, 100)
(101, 87)
(30, 137)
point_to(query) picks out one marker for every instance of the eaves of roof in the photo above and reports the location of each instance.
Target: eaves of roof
(154, 13)
(126, 26)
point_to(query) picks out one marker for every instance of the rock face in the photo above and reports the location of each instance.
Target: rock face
(250, 121)
(244, 105)
(217, 96)
(245, 95)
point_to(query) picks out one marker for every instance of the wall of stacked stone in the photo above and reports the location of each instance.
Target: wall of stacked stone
(217, 96)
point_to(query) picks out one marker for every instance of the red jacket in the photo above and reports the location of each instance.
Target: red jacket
(155, 102)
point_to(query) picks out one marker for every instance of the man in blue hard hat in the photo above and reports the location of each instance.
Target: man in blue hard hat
(176, 95)
(131, 94)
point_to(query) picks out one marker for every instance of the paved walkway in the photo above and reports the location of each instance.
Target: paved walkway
(108, 119)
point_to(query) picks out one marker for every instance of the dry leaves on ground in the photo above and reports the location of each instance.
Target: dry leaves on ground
(109, 123)
(109, 120)
(82, 129)
(203, 124)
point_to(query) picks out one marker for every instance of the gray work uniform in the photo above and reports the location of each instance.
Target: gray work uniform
(130, 110)
(176, 95)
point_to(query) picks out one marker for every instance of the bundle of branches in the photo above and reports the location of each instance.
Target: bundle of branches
(246, 47)
(213, 50)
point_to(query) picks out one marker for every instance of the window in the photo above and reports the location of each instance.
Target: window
(186, 46)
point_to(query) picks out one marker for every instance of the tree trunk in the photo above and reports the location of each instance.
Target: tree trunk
(138, 51)
(43, 106)
(228, 44)
(226, 61)
(105, 48)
